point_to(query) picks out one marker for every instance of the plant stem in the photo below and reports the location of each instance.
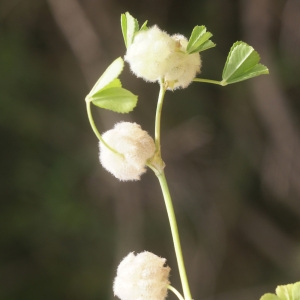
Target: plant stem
(179, 296)
(161, 96)
(158, 169)
(98, 135)
(210, 81)
(175, 235)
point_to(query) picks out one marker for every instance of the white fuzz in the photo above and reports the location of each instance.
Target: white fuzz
(154, 55)
(142, 277)
(183, 67)
(149, 53)
(136, 147)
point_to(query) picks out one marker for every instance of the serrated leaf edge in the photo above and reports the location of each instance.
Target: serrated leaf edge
(235, 48)
(191, 46)
(125, 19)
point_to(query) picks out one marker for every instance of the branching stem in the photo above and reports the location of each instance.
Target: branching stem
(168, 200)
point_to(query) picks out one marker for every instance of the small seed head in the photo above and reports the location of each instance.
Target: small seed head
(142, 277)
(154, 55)
(135, 145)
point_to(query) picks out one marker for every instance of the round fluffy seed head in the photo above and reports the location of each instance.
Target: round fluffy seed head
(149, 53)
(154, 55)
(142, 277)
(136, 147)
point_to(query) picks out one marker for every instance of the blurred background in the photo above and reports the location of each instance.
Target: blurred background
(232, 153)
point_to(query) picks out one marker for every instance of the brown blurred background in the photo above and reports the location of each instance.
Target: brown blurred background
(232, 153)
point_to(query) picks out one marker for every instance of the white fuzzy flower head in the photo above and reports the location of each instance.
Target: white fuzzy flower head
(136, 147)
(154, 56)
(142, 277)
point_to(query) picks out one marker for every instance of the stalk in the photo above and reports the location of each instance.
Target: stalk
(175, 235)
(157, 166)
(210, 81)
(160, 101)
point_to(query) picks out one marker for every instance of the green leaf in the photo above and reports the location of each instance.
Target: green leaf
(207, 45)
(129, 27)
(289, 291)
(296, 291)
(242, 63)
(116, 99)
(108, 77)
(144, 26)
(115, 83)
(108, 92)
(199, 40)
(269, 297)
(284, 292)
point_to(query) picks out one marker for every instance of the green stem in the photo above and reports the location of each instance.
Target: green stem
(175, 235)
(179, 296)
(210, 81)
(161, 96)
(157, 166)
(98, 135)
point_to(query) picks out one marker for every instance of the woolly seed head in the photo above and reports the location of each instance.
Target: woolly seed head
(136, 147)
(142, 277)
(149, 53)
(155, 55)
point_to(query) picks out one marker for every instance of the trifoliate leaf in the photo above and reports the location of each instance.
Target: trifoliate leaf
(199, 40)
(129, 27)
(242, 63)
(116, 99)
(109, 76)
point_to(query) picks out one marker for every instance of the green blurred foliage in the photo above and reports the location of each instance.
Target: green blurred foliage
(232, 163)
